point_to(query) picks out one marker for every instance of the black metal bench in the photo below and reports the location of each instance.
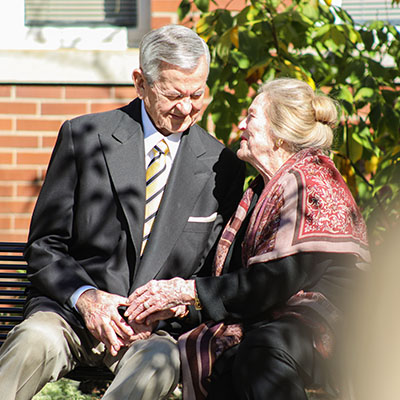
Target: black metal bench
(13, 283)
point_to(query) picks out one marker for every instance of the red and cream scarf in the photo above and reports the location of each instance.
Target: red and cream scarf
(305, 207)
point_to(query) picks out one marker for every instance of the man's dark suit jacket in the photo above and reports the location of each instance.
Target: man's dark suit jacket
(87, 224)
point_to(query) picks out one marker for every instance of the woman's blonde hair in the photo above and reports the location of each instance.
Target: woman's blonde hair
(298, 115)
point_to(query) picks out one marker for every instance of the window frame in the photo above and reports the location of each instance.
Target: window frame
(381, 10)
(78, 15)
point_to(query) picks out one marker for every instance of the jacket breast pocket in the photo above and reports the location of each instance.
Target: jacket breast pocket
(200, 223)
(198, 226)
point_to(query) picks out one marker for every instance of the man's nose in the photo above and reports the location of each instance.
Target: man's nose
(242, 124)
(185, 106)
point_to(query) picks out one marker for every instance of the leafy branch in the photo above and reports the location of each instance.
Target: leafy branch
(311, 40)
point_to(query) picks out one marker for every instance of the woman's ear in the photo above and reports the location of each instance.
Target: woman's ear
(138, 81)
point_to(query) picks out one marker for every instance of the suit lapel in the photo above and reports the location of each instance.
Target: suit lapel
(187, 178)
(124, 154)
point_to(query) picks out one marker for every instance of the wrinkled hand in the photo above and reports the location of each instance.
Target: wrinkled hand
(177, 311)
(142, 331)
(100, 312)
(160, 297)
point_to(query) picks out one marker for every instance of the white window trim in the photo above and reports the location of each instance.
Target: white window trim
(26, 59)
(68, 66)
(364, 11)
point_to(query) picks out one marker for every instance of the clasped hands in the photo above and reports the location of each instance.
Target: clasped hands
(155, 301)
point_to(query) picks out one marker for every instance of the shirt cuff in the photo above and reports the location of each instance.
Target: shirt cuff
(75, 296)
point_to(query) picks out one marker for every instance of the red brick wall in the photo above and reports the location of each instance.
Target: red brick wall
(30, 117)
(163, 12)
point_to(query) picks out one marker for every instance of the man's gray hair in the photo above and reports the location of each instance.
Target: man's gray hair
(173, 44)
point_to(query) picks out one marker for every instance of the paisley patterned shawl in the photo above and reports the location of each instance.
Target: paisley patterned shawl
(305, 207)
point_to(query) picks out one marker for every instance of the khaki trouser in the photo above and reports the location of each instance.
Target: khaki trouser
(44, 348)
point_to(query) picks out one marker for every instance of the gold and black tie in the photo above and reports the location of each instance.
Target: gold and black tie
(156, 179)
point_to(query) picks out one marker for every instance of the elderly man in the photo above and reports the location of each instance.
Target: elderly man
(130, 195)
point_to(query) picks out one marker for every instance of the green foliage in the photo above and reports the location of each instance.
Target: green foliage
(61, 390)
(66, 389)
(320, 44)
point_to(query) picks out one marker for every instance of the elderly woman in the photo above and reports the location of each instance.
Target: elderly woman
(283, 266)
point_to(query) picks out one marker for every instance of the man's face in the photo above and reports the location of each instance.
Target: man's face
(174, 101)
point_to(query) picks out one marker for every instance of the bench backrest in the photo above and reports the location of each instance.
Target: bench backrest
(13, 283)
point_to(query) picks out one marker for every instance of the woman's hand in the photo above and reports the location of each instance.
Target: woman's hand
(160, 297)
(174, 312)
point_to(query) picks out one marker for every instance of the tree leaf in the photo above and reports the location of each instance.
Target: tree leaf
(375, 115)
(234, 35)
(202, 5)
(183, 9)
(241, 59)
(345, 94)
(224, 45)
(310, 10)
(205, 27)
(363, 136)
(355, 148)
(365, 94)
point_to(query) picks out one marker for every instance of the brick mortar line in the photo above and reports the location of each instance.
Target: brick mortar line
(24, 200)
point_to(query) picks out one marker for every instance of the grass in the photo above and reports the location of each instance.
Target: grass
(64, 389)
(68, 389)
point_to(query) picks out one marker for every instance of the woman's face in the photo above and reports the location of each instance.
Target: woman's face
(256, 145)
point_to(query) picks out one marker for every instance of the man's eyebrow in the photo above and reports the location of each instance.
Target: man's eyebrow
(171, 91)
(175, 92)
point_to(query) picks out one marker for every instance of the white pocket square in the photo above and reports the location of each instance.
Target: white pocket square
(210, 218)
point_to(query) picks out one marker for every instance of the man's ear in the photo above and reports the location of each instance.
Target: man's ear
(138, 81)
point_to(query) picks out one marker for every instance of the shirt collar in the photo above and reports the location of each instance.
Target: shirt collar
(152, 136)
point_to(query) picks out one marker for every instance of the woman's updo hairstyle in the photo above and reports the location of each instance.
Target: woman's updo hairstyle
(298, 115)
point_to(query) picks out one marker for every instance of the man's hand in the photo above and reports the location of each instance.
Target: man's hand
(160, 296)
(100, 312)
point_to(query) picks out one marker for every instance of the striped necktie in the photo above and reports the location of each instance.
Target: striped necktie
(156, 179)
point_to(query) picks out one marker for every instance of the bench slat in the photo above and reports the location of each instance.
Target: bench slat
(13, 301)
(12, 247)
(4, 327)
(6, 310)
(11, 318)
(13, 266)
(7, 257)
(6, 284)
(11, 292)
(11, 275)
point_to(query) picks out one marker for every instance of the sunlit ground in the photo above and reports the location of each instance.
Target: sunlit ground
(68, 389)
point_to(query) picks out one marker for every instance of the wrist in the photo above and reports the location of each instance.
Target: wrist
(85, 297)
(188, 292)
(73, 300)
